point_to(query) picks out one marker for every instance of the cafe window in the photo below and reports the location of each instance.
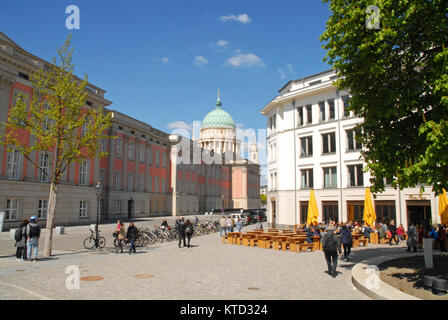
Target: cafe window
(303, 212)
(355, 211)
(330, 211)
(385, 211)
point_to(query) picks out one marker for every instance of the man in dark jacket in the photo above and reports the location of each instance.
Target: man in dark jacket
(393, 231)
(132, 236)
(33, 235)
(181, 231)
(331, 246)
(21, 245)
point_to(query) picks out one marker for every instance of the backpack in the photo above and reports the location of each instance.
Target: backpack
(34, 231)
(331, 244)
(18, 235)
(188, 229)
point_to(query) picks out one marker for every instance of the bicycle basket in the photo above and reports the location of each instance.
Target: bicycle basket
(115, 235)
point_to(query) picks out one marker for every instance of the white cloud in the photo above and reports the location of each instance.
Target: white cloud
(245, 60)
(282, 74)
(222, 43)
(179, 125)
(200, 61)
(242, 18)
(291, 70)
(165, 60)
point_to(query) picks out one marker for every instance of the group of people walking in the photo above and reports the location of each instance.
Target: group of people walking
(122, 235)
(229, 225)
(27, 240)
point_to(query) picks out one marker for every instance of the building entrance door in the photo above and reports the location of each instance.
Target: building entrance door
(419, 213)
(130, 208)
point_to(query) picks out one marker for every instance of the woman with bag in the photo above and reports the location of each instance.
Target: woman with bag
(121, 233)
(347, 240)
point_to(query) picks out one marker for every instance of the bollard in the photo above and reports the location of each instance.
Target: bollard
(427, 282)
(427, 251)
(439, 286)
(60, 230)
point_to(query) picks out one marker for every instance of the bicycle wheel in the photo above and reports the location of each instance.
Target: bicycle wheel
(116, 242)
(143, 240)
(89, 243)
(102, 242)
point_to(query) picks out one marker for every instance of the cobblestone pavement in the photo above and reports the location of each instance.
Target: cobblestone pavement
(207, 270)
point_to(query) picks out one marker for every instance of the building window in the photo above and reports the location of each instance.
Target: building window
(83, 173)
(156, 184)
(157, 158)
(355, 211)
(130, 182)
(355, 175)
(103, 145)
(14, 162)
(330, 211)
(83, 209)
(164, 160)
(117, 181)
(307, 179)
(345, 102)
(42, 210)
(44, 167)
(12, 210)
(118, 149)
(303, 212)
(332, 112)
(300, 120)
(330, 177)
(306, 146)
(131, 152)
(352, 143)
(329, 143)
(118, 206)
(142, 206)
(142, 153)
(385, 211)
(163, 185)
(141, 182)
(46, 123)
(102, 177)
(309, 114)
(84, 128)
(322, 111)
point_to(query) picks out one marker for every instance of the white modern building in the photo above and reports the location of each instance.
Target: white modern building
(311, 145)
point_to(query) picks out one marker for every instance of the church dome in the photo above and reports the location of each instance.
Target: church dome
(218, 118)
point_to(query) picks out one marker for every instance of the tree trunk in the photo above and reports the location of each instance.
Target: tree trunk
(50, 219)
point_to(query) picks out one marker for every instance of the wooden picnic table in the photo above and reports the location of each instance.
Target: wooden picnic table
(264, 241)
(356, 238)
(249, 239)
(278, 240)
(233, 237)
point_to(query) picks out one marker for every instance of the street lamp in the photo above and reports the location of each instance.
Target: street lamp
(98, 190)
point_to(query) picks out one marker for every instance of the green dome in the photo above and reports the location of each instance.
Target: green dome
(218, 118)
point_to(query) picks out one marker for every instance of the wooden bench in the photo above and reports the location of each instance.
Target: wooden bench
(285, 245)
(224, 239)
(363, 242)
(305, 246)
(252, 242)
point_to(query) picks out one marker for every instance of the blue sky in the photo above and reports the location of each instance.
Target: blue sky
(163, 61)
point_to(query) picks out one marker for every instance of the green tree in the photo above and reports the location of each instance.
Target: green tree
(263, 199)
(397, 75)
(58, 122)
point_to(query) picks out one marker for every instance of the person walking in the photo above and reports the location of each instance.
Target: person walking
(132, 236)
(229, 223)
(121, 233)
(33, 235)
(239, 225)
(331, 246)
(196, 220)
(393, 232)
(401, 233)
(222, 226)
(21, 238)
(412, 238)
(441, 239)
(347, 240)
(188, 232)
(181, 231)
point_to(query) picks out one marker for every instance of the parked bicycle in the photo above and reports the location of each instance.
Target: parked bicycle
(142, 240)
(90, 242)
